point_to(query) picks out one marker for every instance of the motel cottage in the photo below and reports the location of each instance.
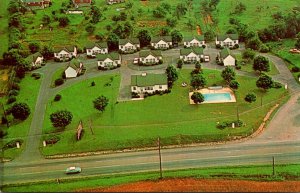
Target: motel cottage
(194, 41)
(110, 60)
(226, 57)
(93, 49)
(149, 83)
(129, 45)
(65, 53)
(228, 40)
(150, 56)
(193, 54)
(74, 68)
(162, 42)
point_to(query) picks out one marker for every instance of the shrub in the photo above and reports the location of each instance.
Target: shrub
(160, 61)
(13, 93)
(51, 139)
(203, 46)
(59, 81)
(295, 69)
(223, 125)
(238, 67)
(264, 48)
(15, 86)
(57, 97)
(2, 133)
(135, 95)
(250, 97)
(179, 63)
(93, 83)
(11, 99)
(218, 46)
(236, 46)
(3, 120)
(13, 143)
(276, 85)
(238, 123)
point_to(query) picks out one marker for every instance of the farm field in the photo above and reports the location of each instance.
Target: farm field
(246, 176)
(3, 27)
(255, 11)
(19, 130)
(136, 124)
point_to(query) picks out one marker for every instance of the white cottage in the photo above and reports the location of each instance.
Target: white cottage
(35, 59)
(227, 58)
(228, 40)
(149, 83)
(129, 45)
(163, 42)
(193, 54)
(96, 48)
(65, 53)
(109, 60)
(74, 68)
(194, 41)
(150, 56)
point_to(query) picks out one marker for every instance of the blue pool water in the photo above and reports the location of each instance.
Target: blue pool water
(208, 97)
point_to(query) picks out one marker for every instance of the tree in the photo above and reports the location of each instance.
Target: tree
(96, 14)
(171, 73)
(113, 42)
(171, 22)
(20, 111)
(234, 84)
(61, 118)
(265, 82)
(63, 21)
(248, 54)
(144, 37)
(197, 97)
(180, 10)
(250, 98)
(46, 19)
(34, 47)
(228, 74)
(297, 44)
(164, 31)
(123, 16)
(90, 28)
(261, 63)
(159, 12)
(47, 52)
(239, 8)
(198, 81)
(253, 43)
(100, 103)
(209, 35)
(176, 37)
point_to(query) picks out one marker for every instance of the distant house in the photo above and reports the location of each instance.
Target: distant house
(35, 59)
(129, 45)
(193, 41)
(163, 42)
(194, 54)
(110, 2)
(226, 58)
(149, 83)
(36, 3)
(228, 40)
(65, 53)
(93, 49)
(111, 60)
(79, 3)
(74, 68)
(150, 56)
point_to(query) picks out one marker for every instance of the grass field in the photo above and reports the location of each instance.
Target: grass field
(255, 11)
(139, 123)
(254, 172)
(3, 27)
(58, 74)
(18, 130)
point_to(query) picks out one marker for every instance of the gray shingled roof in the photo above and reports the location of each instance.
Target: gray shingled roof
(90, 45)
(131, 40)
(231, 36)
(187, 51)
(149, 80)
(190, 38)
(112, 56)
(225, 52)
(145, 53)
(165, 38)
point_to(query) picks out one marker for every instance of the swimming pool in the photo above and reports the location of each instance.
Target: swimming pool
(214, 97)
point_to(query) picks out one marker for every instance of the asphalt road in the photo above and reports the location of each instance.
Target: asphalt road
(280, 139)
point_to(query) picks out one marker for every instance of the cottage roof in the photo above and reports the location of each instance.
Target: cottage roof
(165, 38)
(187, 51)
(231, 36)
(190, 38)
(75, 63)
(33, 57)
(145, 53)
(131, 40)
(66, 48)
(112, 56)
(149, 80)
(224, 53)
(90, 45)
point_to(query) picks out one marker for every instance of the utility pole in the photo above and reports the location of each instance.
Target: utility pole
(159, 154)
(273, 166)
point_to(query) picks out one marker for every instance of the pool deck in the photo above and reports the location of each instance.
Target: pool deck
(219, 90)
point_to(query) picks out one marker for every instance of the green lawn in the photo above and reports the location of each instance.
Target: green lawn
(19, 130)
(139, 123)
(248, 67)
(254, 172)
(282, 50)
(261, 11)
(3, 27)
(57, 74)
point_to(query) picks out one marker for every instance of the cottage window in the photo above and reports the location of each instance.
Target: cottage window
(160, 87)
(134, 88)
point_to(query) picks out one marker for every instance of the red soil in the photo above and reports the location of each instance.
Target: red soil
(202, 185)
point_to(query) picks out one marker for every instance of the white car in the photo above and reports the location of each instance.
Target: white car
(135, 60)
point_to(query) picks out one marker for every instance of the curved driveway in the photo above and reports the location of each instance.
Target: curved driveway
(280, 138)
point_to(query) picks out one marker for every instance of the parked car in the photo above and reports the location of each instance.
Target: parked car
(73, 170)
(136, 60)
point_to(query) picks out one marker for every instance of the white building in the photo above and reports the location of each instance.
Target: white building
(35, 59)
(150, 56)
(163, 42)
(226, 57)
(193, 54)
(74, 68)
(195, 41)
(65, 53)
(129, 45)
(96, 48)
(228, 40)
(109, 60)
(149, 83)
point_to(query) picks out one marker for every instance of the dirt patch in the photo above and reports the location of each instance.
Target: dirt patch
(199, 32)
(202, 185)
(151, 23)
